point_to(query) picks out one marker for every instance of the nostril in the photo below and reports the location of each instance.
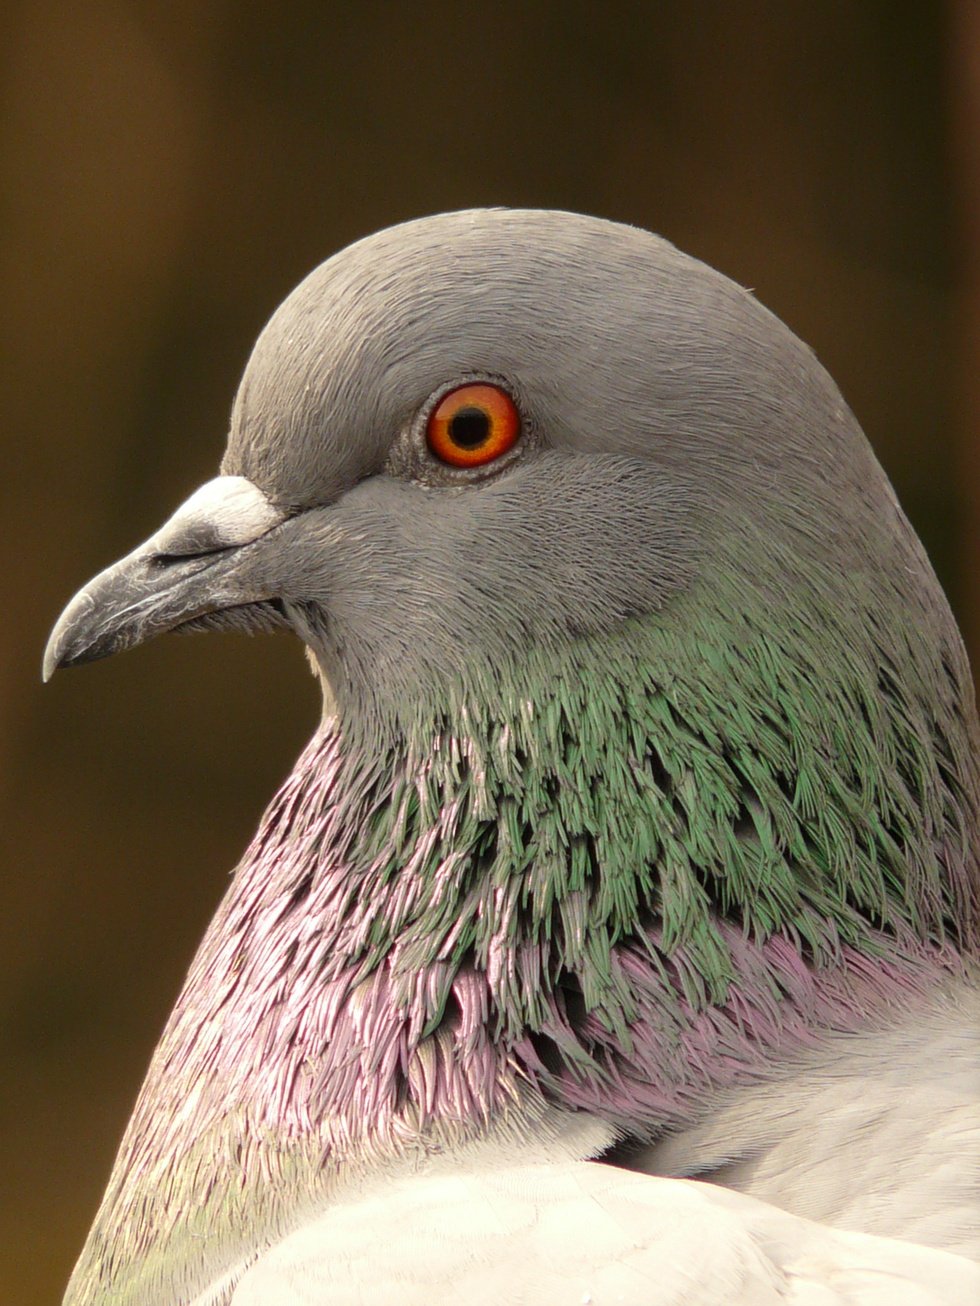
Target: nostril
(162, 561)
(228, 512)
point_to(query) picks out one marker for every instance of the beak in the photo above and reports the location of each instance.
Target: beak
(190, 568)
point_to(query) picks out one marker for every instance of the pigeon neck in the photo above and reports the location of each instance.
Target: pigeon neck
(633, 871)
(614, 880)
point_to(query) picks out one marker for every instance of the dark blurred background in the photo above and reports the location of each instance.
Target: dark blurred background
(169, 171)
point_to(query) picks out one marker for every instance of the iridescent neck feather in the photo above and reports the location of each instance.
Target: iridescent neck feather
(609, 878)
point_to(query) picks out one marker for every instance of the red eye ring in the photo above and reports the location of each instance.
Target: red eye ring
(473, 425)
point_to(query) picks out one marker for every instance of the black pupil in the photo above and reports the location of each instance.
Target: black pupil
(470, 427)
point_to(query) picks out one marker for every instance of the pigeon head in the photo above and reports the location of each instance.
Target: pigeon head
(667, 428)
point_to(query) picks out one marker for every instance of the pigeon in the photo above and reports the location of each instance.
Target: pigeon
(615, 937)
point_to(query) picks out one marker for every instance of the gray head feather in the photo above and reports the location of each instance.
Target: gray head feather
(664, 410)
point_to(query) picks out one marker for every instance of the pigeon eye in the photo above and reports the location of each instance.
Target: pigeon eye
(472, 425)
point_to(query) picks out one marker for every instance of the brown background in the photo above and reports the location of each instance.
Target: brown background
(169, 170)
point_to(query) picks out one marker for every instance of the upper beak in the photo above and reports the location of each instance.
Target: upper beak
(190, 567)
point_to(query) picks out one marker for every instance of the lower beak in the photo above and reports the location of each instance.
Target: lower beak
(193, 566)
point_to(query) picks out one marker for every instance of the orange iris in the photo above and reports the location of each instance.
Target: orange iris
(472, 425)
